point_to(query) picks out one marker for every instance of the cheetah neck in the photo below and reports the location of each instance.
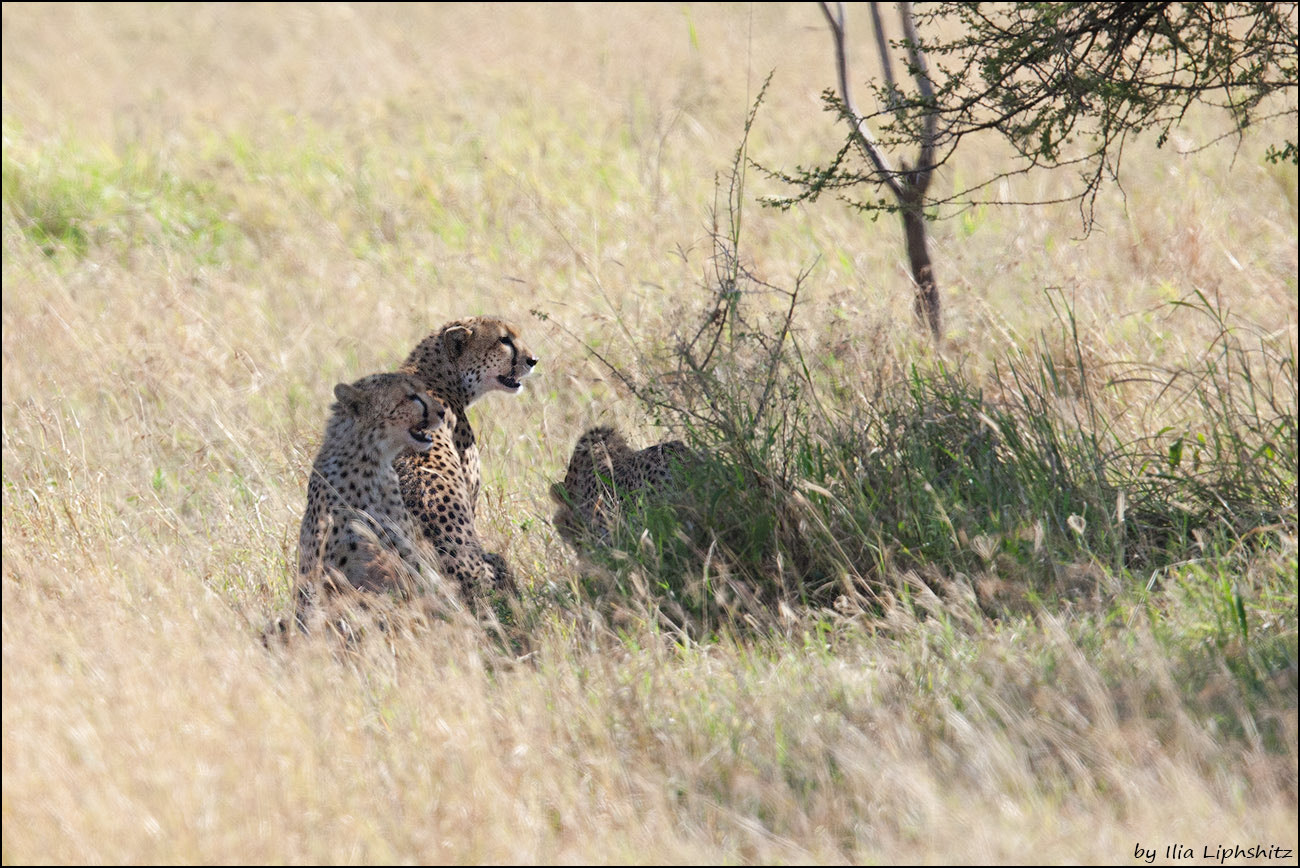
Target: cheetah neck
(430, 364)
(357, 467)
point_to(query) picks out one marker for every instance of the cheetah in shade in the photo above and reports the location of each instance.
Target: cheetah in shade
(603, 471)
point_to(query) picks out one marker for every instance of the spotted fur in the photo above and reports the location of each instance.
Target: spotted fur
(603, 471)
(357, 534)
(460, 363)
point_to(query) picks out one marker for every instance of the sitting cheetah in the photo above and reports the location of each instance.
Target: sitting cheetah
(602, 472)
(356, 532)
(460, 363)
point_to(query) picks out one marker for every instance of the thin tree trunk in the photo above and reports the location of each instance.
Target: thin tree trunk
(918, 256)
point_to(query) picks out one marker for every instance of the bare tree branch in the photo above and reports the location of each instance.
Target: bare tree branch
(865, 138)
(886, 62)
(916, 59)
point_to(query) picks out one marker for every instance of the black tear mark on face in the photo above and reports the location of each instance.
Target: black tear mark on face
(504, 379)
(420, 432)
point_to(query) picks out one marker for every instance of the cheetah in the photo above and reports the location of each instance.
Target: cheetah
(356, 532)
(602, 472)
(460, 363)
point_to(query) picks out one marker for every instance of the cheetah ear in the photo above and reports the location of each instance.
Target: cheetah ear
(349, 396)
(457, 339)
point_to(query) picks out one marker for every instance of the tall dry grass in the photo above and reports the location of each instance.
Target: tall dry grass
(213, 214)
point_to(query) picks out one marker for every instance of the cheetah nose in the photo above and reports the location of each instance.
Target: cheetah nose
(531, 361)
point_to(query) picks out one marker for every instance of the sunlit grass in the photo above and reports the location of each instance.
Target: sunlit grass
(213, 215)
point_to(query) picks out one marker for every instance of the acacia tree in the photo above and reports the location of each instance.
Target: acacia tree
(1066, 84)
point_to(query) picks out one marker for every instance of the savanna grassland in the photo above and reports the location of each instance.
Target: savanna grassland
(1030, 595)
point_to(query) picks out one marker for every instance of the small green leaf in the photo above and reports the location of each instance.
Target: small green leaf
(1240, 608)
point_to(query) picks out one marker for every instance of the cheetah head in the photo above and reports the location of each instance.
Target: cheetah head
(400, 411)
(471, 357)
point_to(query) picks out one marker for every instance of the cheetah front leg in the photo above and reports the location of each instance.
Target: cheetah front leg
(442, 510)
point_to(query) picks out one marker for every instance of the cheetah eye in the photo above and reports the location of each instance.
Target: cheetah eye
(505, 339)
